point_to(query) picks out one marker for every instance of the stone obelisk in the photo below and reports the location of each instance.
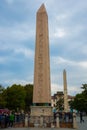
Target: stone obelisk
(65, 92)
(42, 88)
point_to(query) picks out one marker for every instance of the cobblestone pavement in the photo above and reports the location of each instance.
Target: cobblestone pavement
(36, 129)
(81, 126)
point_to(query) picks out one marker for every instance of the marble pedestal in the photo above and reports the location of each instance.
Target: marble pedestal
(41, 111)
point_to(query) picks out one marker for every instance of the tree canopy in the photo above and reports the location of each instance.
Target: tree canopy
(80, 100)
(60, 104)
(16, 97)
(20, 97)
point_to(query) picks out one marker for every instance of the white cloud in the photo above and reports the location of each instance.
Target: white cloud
(83, 64)
(18, 32)
(61, 17)
(55, 88)
(57, 33)
(26, 52)
(60, 60)
(17, 81)
(60, 33)
(71, 90)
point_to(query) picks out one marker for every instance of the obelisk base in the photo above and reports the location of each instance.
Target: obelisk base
(41, 111)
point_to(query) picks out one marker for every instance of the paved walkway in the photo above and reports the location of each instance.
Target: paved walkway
(81, 126)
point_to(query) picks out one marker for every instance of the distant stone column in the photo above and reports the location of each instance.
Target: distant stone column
(65, 91)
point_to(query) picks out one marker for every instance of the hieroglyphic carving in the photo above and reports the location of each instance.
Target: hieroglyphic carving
(40, 60)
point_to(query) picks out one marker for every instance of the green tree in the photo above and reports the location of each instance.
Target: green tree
(2, 99)
(1, 89)
(71, 104)
(80, 101)
(15, 97)
(29, 95)
(84, 93)
(60, 104)
(84, 87)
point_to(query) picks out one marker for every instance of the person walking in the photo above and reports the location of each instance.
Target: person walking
(81, 117)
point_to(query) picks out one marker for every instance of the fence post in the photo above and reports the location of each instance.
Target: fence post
(57, 121)
(26, 120)
(74, 120)
(41, 120)
(52, 122)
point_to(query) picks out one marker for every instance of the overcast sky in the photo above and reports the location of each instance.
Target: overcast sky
(67, 37)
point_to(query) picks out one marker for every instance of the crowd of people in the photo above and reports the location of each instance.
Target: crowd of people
(8, 119)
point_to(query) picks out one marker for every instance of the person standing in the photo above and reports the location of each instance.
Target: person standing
(0, 120)
(6, 120)
(11, 118)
